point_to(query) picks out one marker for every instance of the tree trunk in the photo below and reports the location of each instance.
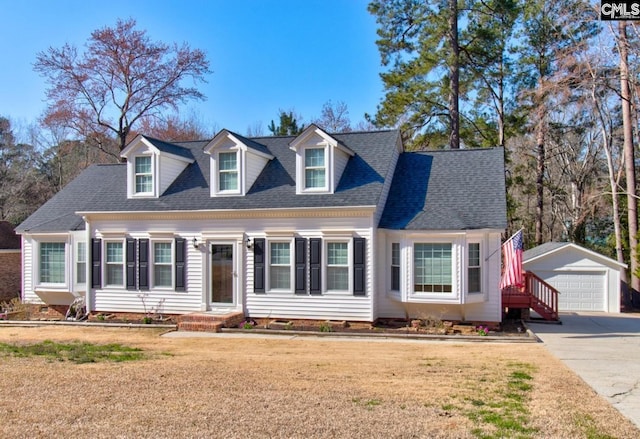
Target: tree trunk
(454, 75)
(629, 162)
(540, 162)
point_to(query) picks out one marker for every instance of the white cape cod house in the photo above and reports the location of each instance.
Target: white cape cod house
(317, 226)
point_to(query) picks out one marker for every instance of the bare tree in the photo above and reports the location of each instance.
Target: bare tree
(335, 118)
(629, 158)
(121, 77)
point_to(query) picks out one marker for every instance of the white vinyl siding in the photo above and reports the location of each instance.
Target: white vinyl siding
(52, 263)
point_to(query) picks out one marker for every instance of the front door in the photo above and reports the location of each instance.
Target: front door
(222, 274)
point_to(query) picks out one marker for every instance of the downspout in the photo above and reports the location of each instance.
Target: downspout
(88, 295)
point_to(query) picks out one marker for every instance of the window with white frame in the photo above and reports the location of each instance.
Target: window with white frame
(315, 169)
(474, 268)
(337, 266)
(432, 268)
(81, 262)
(162, 264)
(114, 262)
(228, 171)
(143, 175)
(52, 260)
(280, 265)
(395, 266)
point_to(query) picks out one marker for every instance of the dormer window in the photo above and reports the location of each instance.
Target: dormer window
(236, 163)
(315, 168)
(320, 161)
(153, 166)
(228, 172)
(143, 175)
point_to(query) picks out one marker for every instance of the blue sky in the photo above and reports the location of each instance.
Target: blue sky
(265, 55)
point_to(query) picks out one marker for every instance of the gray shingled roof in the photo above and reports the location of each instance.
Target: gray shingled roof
(542, 249)
(448, 190)
(170, 148)
(102, 188)
(251, 144)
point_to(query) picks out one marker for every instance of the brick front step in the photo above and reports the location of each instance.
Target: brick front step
(209, 322)
(200, 326)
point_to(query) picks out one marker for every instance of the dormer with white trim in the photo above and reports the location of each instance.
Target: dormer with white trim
(152, 165)
(320, 161)
(236, 163)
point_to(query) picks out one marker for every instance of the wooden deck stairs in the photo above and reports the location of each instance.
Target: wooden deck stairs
(536, 294)
(206, 322)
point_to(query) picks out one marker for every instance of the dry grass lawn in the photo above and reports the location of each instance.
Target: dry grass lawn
(297, 388)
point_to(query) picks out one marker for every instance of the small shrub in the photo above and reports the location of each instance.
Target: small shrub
(325, 327)
(147, 320)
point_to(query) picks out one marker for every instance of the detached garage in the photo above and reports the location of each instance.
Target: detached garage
(586, 280)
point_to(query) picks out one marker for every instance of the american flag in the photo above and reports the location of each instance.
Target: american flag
(512, 250)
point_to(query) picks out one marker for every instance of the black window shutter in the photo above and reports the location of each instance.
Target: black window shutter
(131, 263)
(258, 265)
(315, 265)
(181, 254)
(301, 266)
(96, 265)
(143, 264)
(359, 245)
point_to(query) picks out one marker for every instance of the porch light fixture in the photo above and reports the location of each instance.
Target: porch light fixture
(195, 243)
(249, 243)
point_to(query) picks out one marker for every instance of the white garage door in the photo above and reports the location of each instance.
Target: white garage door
(579, 291)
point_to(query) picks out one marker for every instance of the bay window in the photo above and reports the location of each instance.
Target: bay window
(52, 262)
(474, 269)
(81, 262)
(432, 268)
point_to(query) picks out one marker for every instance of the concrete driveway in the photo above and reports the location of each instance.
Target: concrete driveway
(604, 350)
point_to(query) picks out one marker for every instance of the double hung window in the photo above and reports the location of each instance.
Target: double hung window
(81, 262)
(143, 175)
(474, 284)
(337, 266)
(280, 265)
(114, 263)
(228, 171)
(162, 264)
(315, 169)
